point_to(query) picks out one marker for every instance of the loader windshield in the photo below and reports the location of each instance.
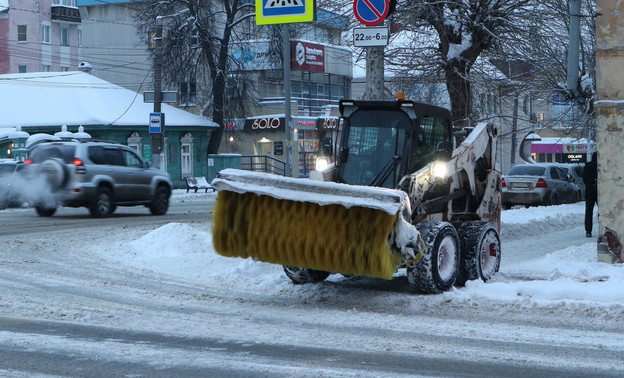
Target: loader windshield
(375, 141)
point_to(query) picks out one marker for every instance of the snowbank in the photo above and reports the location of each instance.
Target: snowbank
(565, 277)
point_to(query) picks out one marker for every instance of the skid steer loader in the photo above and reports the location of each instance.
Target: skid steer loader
(404, 192)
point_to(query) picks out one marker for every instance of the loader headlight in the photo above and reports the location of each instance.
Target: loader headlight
(439, 171)
(321, 163)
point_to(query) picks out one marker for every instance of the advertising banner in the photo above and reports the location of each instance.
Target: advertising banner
(307, 56)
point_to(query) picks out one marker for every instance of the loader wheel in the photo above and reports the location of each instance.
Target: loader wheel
(437, 270)
(304, 275)
(480, 251)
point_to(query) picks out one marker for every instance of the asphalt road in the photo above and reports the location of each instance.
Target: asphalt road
(186, 209)
(69, 312)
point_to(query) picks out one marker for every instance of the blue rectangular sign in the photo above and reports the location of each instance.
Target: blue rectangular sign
(155, 123)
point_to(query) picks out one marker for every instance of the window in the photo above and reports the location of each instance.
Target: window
(188, 94)
(46, 68)
(22, 33)
(64, 37)
(186, 154)
(68, 3)
(106, 155)
(134, 142)
(45, 33)
(64, 69)
(131, 159)
(22, 68)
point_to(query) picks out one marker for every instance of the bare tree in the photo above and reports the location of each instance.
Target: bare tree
(198, 34)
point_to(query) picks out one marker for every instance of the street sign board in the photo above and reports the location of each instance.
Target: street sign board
(155, 123)
(370, 36)
(168, 96)
(371, 12)
(270, 12)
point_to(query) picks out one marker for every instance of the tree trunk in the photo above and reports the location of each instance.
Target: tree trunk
(458, 87)
(218, 93)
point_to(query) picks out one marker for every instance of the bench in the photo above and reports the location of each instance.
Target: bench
(197, 183)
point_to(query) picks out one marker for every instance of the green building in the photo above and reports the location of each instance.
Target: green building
(73, 105)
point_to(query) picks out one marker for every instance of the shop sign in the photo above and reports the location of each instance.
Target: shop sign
(575, 148)
(304, 123)
(307, 56)
(330, 123)
(266, 123)
(578, 158)
(278, 148)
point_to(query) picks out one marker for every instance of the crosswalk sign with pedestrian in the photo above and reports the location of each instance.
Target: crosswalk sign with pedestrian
(284, 11)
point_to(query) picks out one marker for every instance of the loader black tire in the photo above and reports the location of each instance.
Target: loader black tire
(437, 270)
(304, 275)
(480, 248)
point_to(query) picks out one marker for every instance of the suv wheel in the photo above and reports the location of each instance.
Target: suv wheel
(45, 211)
(102, 205)
(160, 203)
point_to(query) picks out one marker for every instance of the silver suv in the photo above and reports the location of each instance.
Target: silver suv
(96, 175)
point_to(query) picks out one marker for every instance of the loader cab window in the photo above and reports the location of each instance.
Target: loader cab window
(432, 131)
(375, 142)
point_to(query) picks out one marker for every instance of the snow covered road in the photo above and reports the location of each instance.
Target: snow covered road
(157, 301)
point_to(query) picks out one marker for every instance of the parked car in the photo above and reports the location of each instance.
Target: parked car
(576, 172)
(96, 175)
(538, 184)
(9, 173)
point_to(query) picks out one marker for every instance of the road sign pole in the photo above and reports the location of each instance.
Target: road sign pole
(292, 166)
(374, 89)
(372, 13)
(157, 138)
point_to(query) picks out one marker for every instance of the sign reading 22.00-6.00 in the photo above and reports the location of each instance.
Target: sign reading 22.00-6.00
(371, 36)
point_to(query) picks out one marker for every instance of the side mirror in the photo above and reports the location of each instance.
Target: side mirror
(444, 151)
(344, 154)
(327, 146)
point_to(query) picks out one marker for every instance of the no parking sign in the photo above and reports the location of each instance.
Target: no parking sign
(371, 12)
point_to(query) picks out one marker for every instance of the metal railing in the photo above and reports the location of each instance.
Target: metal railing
(263, 163)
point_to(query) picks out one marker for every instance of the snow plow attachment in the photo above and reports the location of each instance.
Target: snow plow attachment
(326, 226)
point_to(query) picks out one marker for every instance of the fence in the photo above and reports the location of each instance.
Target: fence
(263, 163)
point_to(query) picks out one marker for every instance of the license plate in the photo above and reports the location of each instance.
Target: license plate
(521, 185)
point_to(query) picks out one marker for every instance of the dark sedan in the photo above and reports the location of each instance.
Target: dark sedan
(538, 184)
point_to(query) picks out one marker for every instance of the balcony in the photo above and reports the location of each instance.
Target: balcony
(65, 13)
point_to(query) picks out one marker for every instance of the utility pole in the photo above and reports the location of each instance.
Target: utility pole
(292, 147)
(514, 131)
(157, 138)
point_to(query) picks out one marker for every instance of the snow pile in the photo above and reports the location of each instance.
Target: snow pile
(564, 277)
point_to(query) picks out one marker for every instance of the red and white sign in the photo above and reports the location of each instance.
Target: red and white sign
(371, 12)
(307, 56)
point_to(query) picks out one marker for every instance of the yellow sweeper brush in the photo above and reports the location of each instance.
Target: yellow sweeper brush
(324, 226)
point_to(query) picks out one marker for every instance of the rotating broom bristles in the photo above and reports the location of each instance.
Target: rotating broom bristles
(331, 238)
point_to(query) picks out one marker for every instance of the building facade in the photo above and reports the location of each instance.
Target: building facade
(321, 73)
(39, 36)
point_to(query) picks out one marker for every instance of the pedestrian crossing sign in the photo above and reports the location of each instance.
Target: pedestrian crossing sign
(270, 12)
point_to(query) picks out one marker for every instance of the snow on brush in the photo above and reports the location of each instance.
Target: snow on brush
(564, 277)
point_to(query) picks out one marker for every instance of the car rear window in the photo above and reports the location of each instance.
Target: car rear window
(6, 169)
(527, 170)
(42, 153)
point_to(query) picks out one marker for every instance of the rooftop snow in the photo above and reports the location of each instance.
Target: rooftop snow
(77, 98)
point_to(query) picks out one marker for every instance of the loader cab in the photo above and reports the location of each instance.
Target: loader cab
(384, 140)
